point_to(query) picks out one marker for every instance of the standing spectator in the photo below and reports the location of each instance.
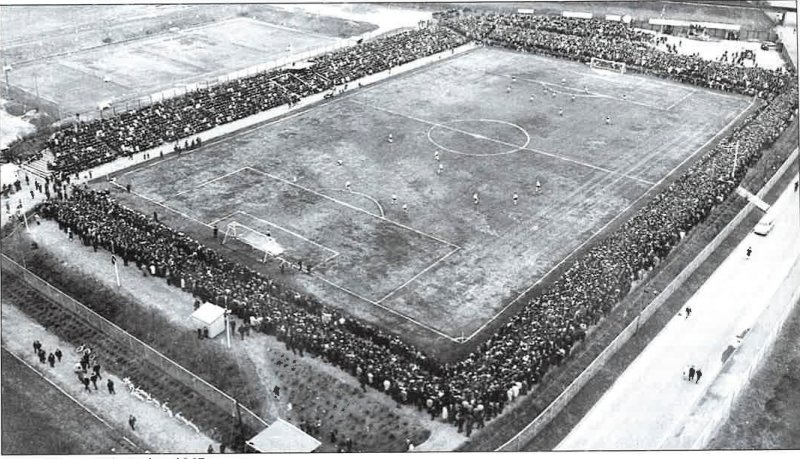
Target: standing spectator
(132, 422)
(110, 385)
(691, 373)
(51, 359)
(699, 375)
(58, 354)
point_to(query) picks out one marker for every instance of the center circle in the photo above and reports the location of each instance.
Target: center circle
(457, 136)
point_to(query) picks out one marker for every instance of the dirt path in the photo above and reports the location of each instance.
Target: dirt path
(310, 388)
(153, 427)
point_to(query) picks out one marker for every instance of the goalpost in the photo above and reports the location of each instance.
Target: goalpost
(609, 66)
(259, 241)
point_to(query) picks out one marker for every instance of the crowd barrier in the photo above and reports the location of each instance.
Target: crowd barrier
(168, 366)
(554, 408)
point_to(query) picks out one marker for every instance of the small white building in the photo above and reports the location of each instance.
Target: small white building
(210, 316)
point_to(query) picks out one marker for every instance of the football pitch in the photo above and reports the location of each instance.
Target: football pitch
(167, 62)
(432, 265)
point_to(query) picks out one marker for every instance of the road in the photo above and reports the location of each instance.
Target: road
(652, 400)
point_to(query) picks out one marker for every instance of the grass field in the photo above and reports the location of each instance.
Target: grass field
(119, 71)
(445, 268)
(39, 419)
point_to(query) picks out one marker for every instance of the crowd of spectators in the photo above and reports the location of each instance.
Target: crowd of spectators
(542, 333)
(583, 39)
(88, 144)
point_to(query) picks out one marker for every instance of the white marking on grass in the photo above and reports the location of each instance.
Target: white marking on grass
(350, 206)
(590, 238)
(207, 182)
(502, 142)
(689, 94)
(480, 136)
(429, 267)
(380, 208)
(391, 311)
(224, 217)
(286, 230)
(58, 388)
(182, 214)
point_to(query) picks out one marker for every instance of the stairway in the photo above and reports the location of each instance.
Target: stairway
(40, 167)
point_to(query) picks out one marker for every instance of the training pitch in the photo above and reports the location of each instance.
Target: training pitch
(446, 268)
(165, 63)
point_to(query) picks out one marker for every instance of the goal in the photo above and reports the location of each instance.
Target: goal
(609, 66)
(259, 241)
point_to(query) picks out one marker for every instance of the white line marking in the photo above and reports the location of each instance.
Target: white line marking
(350, 206)
(334, 252)
(419, 274)
(591, 238)
(380, 208)
(95, 415)
(691, 93)
(502, 142)
(391, 311)
(182, 214)
(579, 92)
(224, 217)
(204, 184)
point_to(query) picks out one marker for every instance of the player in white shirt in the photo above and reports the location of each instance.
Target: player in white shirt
(436, 155)
(538, 186)
(508, 89)
(394, 199)
(391, 139)
(560, 112)
(515, 198)
(347, 186)
(475, 199)
(608, 120)
(439, 170)
(405, 208)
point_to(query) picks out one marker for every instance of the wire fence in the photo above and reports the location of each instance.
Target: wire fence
(165, 364)
(554, 408)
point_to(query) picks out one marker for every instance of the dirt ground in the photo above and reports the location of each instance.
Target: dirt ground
(766, 416)
(38, 419)
(371, 419)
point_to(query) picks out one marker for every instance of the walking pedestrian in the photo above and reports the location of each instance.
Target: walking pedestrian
(688, 311)
(96, 370)
(699, 375)
(51, 359)
(749, 252)
(110, 385)
(86, 384)
(691, 373)
(36, 346)
(42, 356)
(58, 354)
(93, 378)
(132, 422)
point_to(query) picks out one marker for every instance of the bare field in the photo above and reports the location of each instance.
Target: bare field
(445, 267)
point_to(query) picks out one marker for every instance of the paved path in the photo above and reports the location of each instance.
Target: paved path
(651, 401)
(153, 427)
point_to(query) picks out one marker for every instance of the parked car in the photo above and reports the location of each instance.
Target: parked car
(771, 45)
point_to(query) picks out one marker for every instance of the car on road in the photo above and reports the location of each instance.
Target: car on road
(764, 227)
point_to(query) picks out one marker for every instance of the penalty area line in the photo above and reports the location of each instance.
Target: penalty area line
(389, 310)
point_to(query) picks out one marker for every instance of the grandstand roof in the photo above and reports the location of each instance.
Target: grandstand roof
(282, 437)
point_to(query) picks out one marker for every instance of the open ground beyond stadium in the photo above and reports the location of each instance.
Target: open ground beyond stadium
(163, 63)
(445, 268)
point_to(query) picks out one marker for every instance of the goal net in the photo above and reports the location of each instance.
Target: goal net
(608, 66)
(259, 241)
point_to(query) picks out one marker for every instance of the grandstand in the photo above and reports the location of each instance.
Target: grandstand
(460, 204)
